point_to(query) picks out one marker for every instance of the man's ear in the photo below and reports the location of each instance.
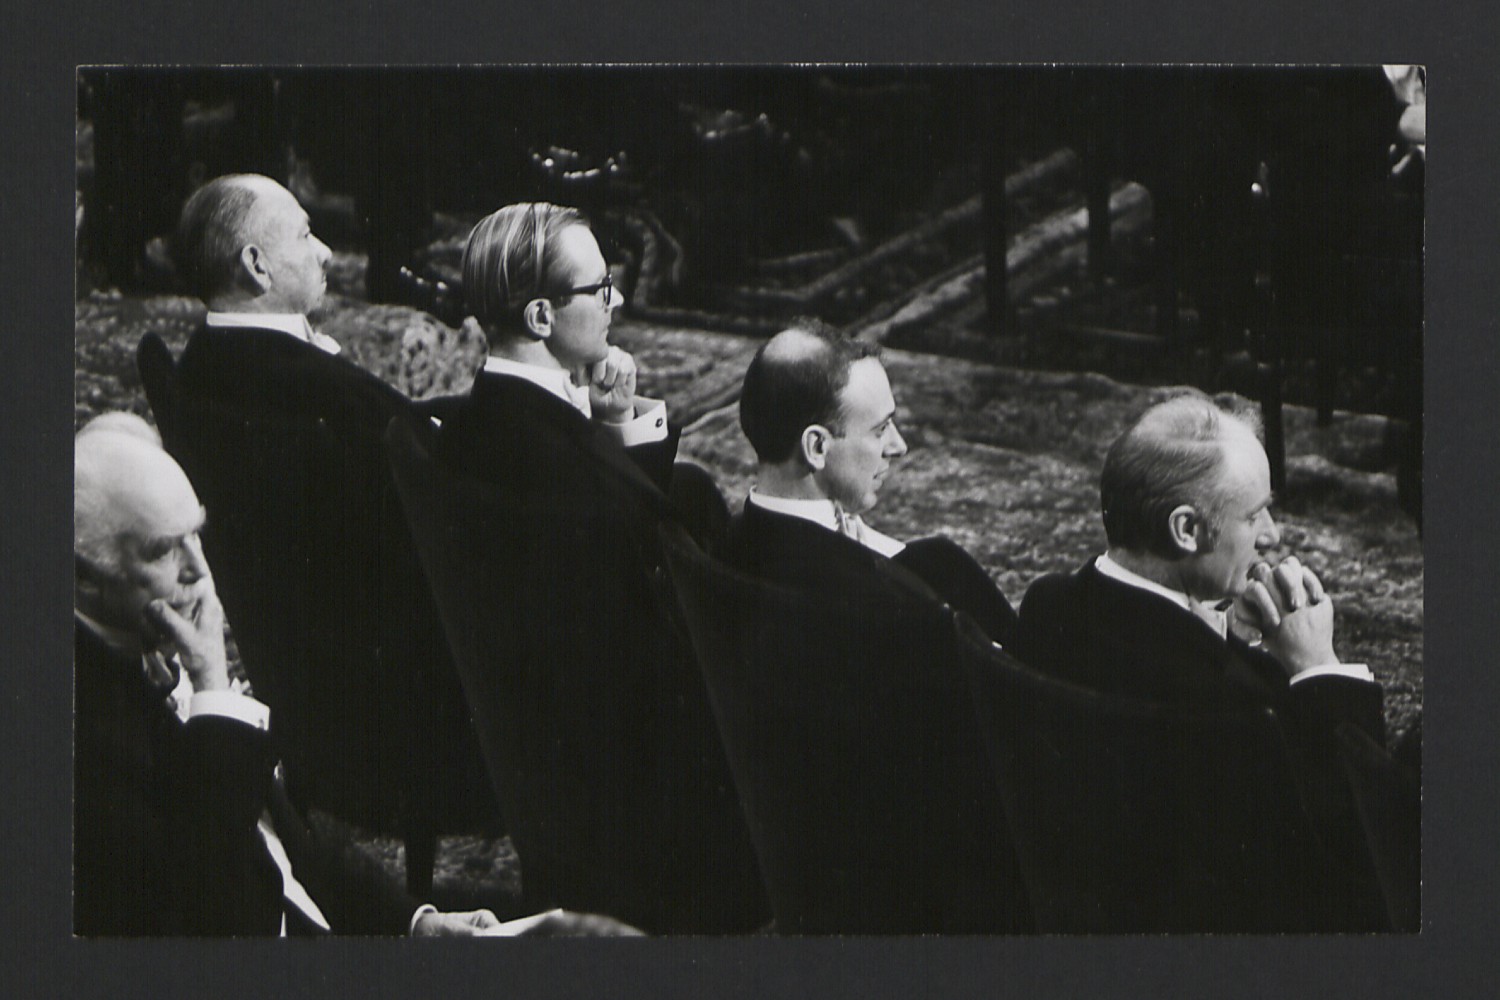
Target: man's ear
(814, 443)
(537, 318)
(1183, 527)
(253, 268)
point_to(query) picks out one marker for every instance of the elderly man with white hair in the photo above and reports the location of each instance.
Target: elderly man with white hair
(181, 825)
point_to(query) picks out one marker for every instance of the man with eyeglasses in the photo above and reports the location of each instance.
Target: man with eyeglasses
(537, 282)
(623, 802)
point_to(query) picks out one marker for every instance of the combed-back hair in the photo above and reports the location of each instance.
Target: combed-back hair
(511, 258)
(1172, 455)
(211, 232)
(794, 381)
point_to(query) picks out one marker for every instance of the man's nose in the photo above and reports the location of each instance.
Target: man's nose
(1270, 538)
(324, 254)
(194, 565)
(895, 447)
(616, 298)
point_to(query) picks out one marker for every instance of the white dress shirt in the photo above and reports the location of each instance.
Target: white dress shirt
(1218, 620)
(648, 425)
(831, 516)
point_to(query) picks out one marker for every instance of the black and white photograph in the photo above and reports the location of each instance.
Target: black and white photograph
(748, 500)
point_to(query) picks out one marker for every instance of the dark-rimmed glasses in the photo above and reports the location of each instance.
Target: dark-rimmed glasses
(607, 285)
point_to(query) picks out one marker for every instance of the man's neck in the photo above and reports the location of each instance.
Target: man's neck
(787, 483)
(1159, 571)
(244, 304)
(526, 352)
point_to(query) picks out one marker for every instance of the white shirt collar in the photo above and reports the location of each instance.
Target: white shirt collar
(822, 512)
(555, 380)
(1208, 615)
(295, 324)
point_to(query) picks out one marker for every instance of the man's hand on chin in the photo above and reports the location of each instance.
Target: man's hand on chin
(198, 641)
(612, 387)
(1293, 613)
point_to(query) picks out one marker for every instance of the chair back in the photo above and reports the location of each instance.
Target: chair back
(329, 608)
(1135, 817)
(158, 371)
(1388, 797)
(588, 704)
(854, 746)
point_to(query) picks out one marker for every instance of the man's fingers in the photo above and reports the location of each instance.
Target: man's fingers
(1289, 580)
(1263, 574)
(480, 919)
(165, 617)
(603, 374)
(1315, 592)
(1258, 597)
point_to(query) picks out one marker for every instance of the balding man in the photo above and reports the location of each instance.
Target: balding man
(181, 826)
(1186, 497)
(244, 246)
(818, 409)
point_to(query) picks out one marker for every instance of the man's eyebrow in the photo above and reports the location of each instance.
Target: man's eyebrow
(154, 543)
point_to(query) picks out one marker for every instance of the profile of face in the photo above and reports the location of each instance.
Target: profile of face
(292, 258)
(152, 520)
(579, 321)
(1230, 549)
(855, 458)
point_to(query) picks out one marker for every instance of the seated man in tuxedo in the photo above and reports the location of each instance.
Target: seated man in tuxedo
(243, 245)
(283, 439)
(622, 798)
(1186, 494)
(818, 409)
(181, 823)
(536, 281)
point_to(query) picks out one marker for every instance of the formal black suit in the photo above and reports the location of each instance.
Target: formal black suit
(796, 552)
(165, 814)
(1106, 635)
(616, 788)
(1109, 636)
(284, 444)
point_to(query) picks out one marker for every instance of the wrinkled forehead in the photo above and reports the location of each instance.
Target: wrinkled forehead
(155, 502)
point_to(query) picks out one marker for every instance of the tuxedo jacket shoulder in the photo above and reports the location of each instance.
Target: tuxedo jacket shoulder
(511, 430)
(1106, 635)
(264, 368)
(793, 551)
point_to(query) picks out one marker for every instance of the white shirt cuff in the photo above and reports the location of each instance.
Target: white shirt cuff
(230, 704)
(1354, 671)
(649, 424)
(422, 911)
